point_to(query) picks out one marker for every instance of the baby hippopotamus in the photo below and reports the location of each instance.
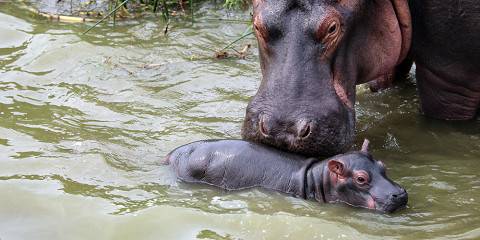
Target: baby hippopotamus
(354, 178)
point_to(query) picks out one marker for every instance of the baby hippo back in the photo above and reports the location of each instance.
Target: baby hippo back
(234, 165)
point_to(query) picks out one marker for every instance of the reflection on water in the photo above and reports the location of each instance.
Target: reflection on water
(85, 121)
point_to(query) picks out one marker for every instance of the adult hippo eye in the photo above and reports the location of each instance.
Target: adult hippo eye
(361, 178)
(328, 32)
(333, 28)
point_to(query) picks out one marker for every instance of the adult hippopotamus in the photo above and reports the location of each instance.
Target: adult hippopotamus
(354, 178)
(313, 53)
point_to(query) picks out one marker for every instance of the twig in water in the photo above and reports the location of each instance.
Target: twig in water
(221, 55)
(165, 32)
(243, 53)
(105, 17)
(226, 20)
(152, 65)
(245, 34)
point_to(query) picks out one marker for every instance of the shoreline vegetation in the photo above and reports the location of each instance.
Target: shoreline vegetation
(95, 10)
(111, 11)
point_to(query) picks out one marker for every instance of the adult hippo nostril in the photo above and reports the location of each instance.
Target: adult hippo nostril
(304, 129)
(262, 125)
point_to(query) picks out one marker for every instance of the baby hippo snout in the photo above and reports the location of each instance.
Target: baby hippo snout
(397, 201)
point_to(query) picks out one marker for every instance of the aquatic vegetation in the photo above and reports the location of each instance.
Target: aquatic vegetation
(101, 11)
(166, 9)
(93, 10)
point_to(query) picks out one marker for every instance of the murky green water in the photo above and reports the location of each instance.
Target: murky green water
(85, 121)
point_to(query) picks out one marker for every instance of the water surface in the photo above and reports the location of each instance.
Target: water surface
(86, 119)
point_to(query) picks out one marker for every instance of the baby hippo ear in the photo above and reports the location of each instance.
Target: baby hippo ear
(365, 146)
(336, 167)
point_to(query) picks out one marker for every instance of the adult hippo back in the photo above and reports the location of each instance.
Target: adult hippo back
(354, 178)
(313, 53)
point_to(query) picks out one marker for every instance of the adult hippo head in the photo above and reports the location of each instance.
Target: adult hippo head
(312, 54)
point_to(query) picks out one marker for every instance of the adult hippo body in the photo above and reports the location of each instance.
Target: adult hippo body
(313, 53)
(354, 178)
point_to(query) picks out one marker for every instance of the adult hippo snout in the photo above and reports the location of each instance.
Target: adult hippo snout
(308, 129)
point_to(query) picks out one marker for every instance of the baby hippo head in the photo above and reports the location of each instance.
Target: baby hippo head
(359, 180)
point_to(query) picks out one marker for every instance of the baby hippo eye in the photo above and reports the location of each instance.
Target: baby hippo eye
(361, 178)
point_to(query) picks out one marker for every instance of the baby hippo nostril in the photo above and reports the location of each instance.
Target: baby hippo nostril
(304, 129)
(400, 197)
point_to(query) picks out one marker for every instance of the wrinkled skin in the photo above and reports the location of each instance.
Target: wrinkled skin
(446, 50)
(354, 178)
(313, 53)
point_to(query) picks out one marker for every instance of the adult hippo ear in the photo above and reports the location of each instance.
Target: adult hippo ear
(389, 41)
(404, 17)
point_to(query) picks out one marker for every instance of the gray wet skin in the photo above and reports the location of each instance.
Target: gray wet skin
(313, 53)
(354, 178)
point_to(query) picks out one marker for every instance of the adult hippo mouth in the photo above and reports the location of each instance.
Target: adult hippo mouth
(312, 54)
(310, 134)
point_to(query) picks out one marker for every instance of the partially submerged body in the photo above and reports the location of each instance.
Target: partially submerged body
(353, 178)
(313, 53)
